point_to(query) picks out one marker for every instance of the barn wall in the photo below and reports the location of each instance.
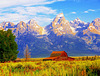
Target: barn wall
(64, 54)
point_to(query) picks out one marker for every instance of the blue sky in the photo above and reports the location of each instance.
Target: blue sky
(44, 11)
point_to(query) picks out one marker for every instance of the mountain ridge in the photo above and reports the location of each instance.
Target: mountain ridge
(75, 37)
(32, 25)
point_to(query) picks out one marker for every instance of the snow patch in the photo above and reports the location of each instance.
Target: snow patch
(91, 27)
(71, 21)
(44, 31)
(60, 28)
(21, 25)
(60, 32)
(78, 20)
(79, 27)
(55, 23)
(75, 19)
(60, 15)
(7, 23)
(36, 26)
(73, 29)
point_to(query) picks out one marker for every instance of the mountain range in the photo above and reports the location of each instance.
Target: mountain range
(76, 37)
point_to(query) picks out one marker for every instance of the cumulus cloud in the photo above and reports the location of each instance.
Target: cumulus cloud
(18, 14)
(34, 10)
(73, 12)
(24, 10)
(43, 20)
(89, 10)
(13, 18)
(6, 3)
(86, 12)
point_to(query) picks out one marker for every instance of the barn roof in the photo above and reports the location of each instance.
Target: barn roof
(57, 53)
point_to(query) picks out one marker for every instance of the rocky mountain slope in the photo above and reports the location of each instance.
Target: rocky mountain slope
(77, 38)
(92, 35)
(60, 26)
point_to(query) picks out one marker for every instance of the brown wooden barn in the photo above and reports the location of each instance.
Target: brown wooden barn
(58, 55)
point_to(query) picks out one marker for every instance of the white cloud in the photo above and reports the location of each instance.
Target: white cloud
(40, 9)
(43, 20)
(13, 18)
(89, 10)
(26, 13)
(33, 10)
(73, 12)
(23, 10)
(86, 12)
(6, 3)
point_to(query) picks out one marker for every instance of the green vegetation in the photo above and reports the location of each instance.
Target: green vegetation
(8, 46)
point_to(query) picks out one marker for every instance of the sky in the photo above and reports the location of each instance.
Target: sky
(44, 11)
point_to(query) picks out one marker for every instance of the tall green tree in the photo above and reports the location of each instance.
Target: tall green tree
(8, 46)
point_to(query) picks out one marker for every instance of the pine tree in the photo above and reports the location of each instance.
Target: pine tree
(8, 46)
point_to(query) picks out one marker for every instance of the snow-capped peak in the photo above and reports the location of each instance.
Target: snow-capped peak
(77, 19)
(60, 15)
(31, 21)
(59, 18)
(97, 19)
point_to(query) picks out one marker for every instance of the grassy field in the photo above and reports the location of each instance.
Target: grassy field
(78, 67)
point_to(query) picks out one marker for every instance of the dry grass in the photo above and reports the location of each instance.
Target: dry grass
(51, 68)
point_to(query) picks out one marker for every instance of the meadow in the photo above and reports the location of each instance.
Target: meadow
(81, 66)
